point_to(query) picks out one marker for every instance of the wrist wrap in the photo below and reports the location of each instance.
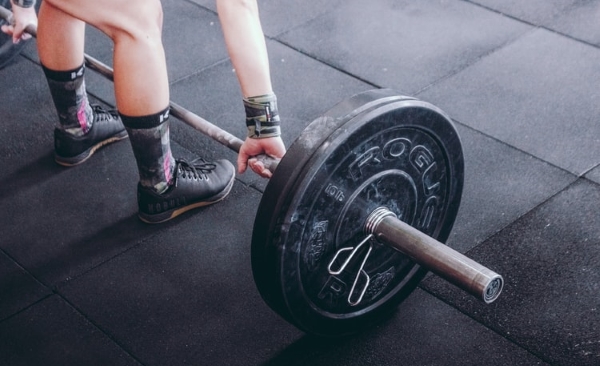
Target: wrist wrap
(262, 116)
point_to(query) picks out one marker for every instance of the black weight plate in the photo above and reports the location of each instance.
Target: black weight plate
(263, 253)
(8, 50)
(383, 150)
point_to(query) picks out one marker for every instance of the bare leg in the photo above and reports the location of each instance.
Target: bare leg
(60, 38)
(140, 76)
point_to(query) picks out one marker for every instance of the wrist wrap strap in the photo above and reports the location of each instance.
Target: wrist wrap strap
(262, 116)
(24, 3)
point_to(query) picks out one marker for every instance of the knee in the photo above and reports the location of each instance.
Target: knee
(142, 21)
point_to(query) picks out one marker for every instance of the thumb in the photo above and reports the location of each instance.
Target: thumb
(8, 29)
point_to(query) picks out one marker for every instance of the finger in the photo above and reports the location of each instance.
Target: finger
(259, 168)
(8, 29)
(242, 163)
(255, 165)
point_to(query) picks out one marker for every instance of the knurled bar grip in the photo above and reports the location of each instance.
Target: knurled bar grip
(440, 259)
(190, 118)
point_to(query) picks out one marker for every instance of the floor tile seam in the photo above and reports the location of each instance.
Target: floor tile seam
(200, 6)
(485, 7)
(550, 24)
(29, 306)
(495, 139)
(523, 215)
(547, 27)
(21, 267)
(55, 287)
(251, 185)
(30, 59)
(476, 60)
(572, 38)
(328, 64)
(256, 188)
(586, 172)
(32, 276)
(282, 33)
(493, 329)
(107, 334)
(198, 71)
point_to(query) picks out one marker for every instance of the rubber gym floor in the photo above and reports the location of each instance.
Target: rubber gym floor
(84, 282)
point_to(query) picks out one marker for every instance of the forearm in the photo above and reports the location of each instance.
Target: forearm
(246, 45)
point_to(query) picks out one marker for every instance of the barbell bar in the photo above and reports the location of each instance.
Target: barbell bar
(349, 222)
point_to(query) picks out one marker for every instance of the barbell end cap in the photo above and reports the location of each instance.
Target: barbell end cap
(493, 289)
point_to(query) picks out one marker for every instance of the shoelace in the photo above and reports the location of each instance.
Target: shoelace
(197, 169)
(101, 114)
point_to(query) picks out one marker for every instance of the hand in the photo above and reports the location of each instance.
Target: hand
(272, 146)
(22, 18)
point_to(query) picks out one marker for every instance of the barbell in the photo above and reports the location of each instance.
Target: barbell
(356, 212)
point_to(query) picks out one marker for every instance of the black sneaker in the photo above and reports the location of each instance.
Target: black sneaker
(196, 184)
(107, 128)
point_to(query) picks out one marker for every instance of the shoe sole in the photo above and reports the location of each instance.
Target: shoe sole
(168, 215)
(84, 156)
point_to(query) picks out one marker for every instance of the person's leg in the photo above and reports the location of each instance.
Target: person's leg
(135, 26)
(60, 38)
(167, 187)
(82, 127)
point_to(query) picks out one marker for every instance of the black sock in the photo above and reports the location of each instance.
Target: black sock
(68, 92)
(149, 136)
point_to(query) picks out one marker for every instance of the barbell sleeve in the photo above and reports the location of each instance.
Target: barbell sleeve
(440, 259)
